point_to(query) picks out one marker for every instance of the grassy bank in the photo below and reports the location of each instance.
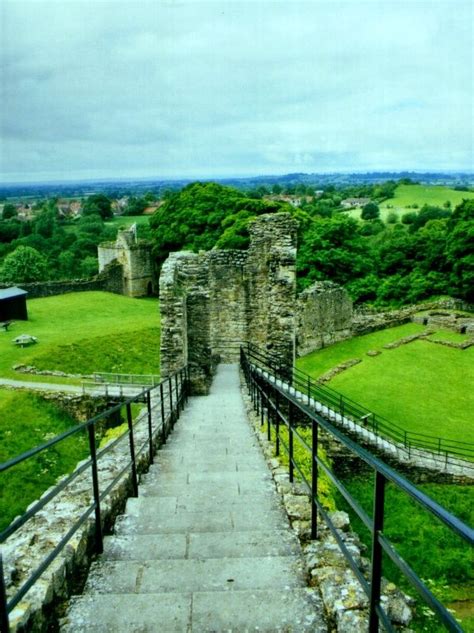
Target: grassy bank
(26, 420)
(438, 556)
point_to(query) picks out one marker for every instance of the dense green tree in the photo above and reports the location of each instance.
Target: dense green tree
(136, 206)
(9, 211)
(332, 248)
(98, 204)
(370, 211)
(460, 249)
(197, 217)
(24, 264)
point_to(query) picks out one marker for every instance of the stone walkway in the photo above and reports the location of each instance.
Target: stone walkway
(207, 545)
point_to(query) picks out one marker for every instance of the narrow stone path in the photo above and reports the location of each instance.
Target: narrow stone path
(207, 545)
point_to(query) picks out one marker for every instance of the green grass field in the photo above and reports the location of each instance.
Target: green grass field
(124, 221)
(420, 386)
(26, 421)
(407, 195)
(77, 333)
(450, 576)
(85, 332)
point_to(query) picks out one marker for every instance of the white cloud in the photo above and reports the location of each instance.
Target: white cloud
(186, 88)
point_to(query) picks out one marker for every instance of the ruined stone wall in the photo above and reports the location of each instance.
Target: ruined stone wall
(212, 302)
(139, 278)
(324, 317)
(271, 274)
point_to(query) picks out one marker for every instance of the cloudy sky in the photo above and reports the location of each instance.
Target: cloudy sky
(165, 89)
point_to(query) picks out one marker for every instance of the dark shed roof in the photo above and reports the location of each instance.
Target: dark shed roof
(9, 293)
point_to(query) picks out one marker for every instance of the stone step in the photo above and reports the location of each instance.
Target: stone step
(242, 487)
(295, 610)
(201, 545)
(160, 507)
(239, 519)
(191, 575)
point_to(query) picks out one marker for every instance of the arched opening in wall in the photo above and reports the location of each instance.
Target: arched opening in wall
(425, 321)
(463, 329)
(149, 289)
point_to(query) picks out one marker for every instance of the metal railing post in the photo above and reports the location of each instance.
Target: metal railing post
(277, 426)
(150, 427)
(99, 545)
(314, 479)
(290, 443)
(170, 388)
(132, 451)
(376, 572)
(309, 389)
(269, 418)
(178, 403)
(163, 418)
(4, 624)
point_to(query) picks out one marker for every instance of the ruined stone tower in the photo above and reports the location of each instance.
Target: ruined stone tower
(213, 301)
(136, 260)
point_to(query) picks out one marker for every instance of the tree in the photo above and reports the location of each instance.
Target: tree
(370, 211)
(24, 264)
(9, 211)
(99, 204)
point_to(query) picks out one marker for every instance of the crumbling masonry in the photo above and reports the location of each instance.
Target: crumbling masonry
(213, 301)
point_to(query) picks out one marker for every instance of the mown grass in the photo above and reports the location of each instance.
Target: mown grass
(420, 386)
(26, 420)
(439, 557)
(85, 332)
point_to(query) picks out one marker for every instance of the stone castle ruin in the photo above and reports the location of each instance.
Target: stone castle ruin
(135, 258)
(213, 301)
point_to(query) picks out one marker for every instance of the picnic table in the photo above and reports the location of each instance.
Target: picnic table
(25, 339)
(5, 325)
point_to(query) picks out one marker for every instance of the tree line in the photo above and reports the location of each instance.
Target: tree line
(427, 252)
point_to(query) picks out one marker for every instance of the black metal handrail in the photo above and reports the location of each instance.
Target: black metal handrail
(172, 393)
(405, 440)
(282, 408)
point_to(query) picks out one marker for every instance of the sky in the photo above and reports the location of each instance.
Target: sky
(192, 89)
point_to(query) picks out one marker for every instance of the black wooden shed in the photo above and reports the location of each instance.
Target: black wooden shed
(13, 304)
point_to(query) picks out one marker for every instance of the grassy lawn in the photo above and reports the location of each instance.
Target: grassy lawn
(26, 421)
(84, 332)
(420, 386)
(407, 195)
(77, 333)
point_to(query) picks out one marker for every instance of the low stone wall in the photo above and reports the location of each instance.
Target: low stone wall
(30, 544)
(109, 280)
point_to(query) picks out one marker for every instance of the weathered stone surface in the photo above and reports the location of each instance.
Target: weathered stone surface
(213, 302)
(135, 258)
(324, 316)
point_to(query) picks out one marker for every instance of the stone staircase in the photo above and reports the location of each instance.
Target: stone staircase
(207, 545)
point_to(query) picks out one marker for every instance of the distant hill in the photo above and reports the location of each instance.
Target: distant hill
(118, 188)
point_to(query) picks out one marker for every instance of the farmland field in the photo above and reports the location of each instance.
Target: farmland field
(408, 195)
(421, 386)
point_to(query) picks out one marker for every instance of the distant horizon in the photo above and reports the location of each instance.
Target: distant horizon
(250, 176)
(95, 91)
